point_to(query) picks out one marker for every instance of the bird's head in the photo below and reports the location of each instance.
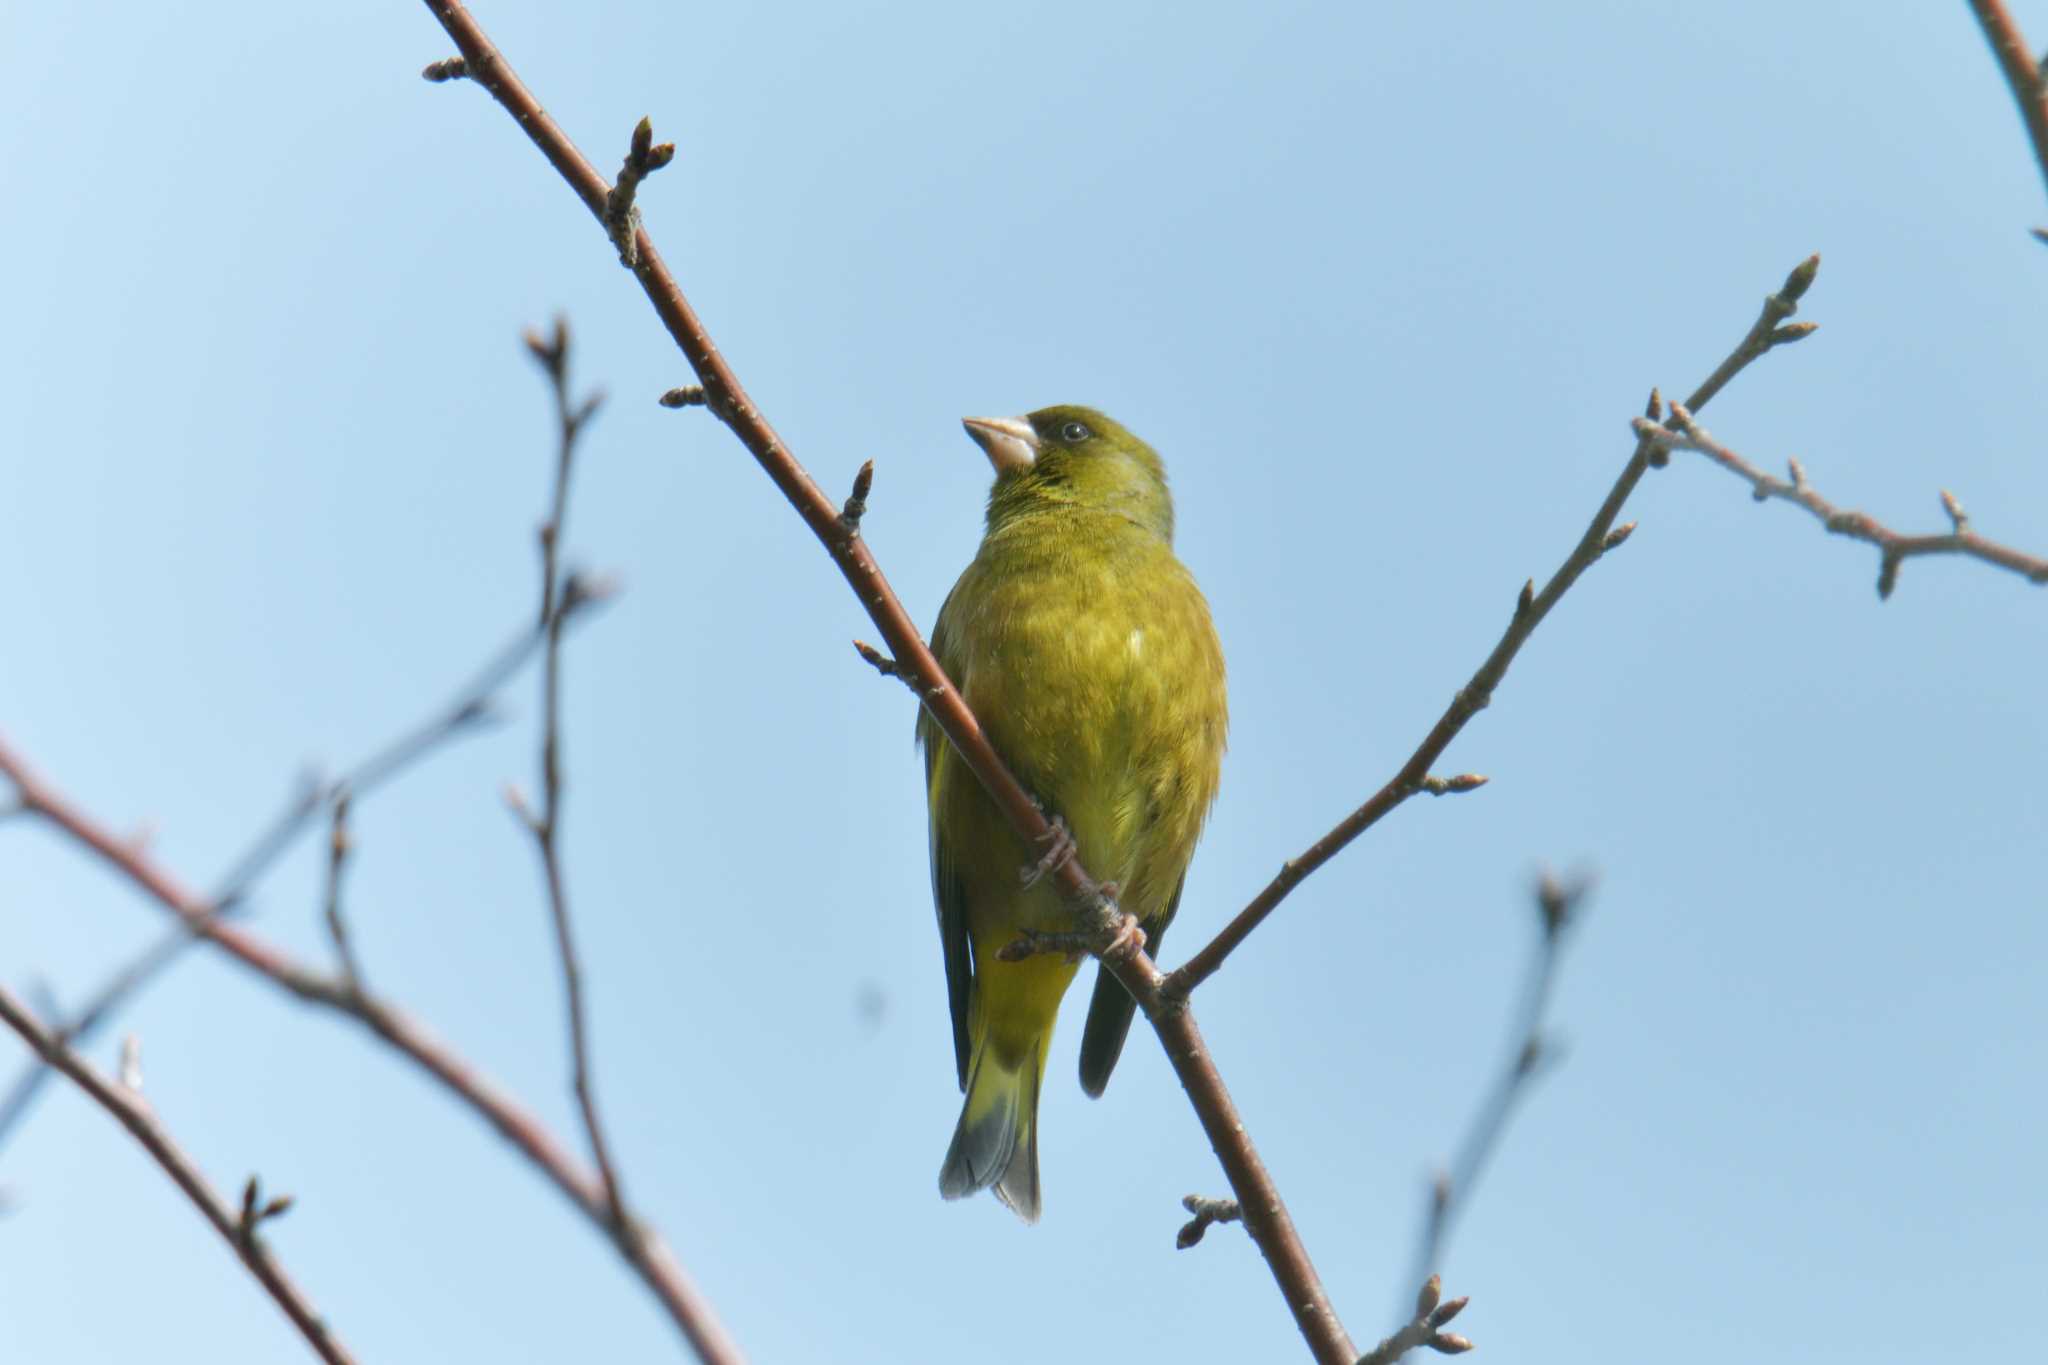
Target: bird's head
(1075, 456)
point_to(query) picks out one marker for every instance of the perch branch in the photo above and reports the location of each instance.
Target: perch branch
(1266, 1216)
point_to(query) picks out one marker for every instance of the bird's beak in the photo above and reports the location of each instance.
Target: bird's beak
(1009, 442)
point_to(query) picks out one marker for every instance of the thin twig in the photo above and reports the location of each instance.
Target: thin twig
(649, 1258)
(1893, 548)
(621, 219)
(240, 1231)
(469, 710)
(882, 663)
(1266, 1216)
(338, 849)
(856, 505)
(561, 597)
(1207, 1213)
(1531, 607)
(1423, 1328)
(2022, 72)
(1557, 906)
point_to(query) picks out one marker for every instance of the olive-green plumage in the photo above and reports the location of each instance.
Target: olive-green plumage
(1085, 649)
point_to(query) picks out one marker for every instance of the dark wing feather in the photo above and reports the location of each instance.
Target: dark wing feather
(1110, 1011)
(949, 893)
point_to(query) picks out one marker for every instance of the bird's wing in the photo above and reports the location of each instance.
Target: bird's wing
(949, 892)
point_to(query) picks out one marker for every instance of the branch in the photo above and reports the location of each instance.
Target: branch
(1557, 905)
(1531, 607)
(80, 1027)
(1266, 1216)
(2023, 73)
(240, 1230)
(468, 710)
(197, 917)
(1892, 547)
(560, 598)
(339, 846)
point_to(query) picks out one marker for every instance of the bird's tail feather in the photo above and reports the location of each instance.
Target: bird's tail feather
(995, 1145)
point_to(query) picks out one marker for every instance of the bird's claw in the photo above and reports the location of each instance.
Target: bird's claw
(1129, 936)
(1059, 852)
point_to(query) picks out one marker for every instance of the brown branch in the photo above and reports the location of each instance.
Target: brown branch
(1893, 548)
(1531, 607)
(641, 1249)
(78, 1027)
(561, 598)
(1431, 1313)
(240, 1230)
(1266, 1216)
(1557, 906)
(2022, 72)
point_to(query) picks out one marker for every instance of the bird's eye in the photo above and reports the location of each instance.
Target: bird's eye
(1074, 431)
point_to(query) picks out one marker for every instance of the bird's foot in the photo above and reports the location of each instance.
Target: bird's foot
(1031, 943)
(1060, 850)
(1127, 937)
(1121, 939)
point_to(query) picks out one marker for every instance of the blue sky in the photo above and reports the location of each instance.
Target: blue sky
(1384, 284)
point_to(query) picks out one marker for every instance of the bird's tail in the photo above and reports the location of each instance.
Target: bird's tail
(996, 1143)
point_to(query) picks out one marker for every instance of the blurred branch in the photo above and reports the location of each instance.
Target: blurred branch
(559, 599)
(1531, 607)
(1557, 907)
(641, 1248)
(240, 1230)
(2023, 73)
(339, 846)
(469, 709)
(80, 1026)
(1266, 1216)
(1893, 548)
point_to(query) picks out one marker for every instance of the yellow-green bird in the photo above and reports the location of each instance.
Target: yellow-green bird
(1086, 650)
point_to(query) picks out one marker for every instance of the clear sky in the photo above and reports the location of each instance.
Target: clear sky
(1384, 284)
